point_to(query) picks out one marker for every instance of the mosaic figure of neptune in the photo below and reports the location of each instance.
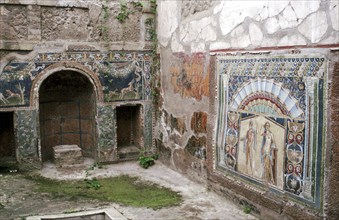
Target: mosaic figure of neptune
(267, 154)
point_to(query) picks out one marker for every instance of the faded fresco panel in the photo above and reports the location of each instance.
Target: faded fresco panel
(189, 76)
(254, 132)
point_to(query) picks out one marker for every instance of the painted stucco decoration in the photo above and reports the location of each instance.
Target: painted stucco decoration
(271, 121)
(123, 75)
(189, 75)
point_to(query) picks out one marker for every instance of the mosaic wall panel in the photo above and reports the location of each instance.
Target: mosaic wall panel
(123, 75)
(106, 133)
(26, 133)
(148, 126)
(270, 122)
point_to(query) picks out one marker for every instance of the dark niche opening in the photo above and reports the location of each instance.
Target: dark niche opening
(7, 141)
(129, 131)
(67, 113)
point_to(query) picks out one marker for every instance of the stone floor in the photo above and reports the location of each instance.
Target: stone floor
(18, 198)
(199, 203)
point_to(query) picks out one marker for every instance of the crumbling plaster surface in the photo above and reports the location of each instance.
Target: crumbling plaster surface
(248, 24)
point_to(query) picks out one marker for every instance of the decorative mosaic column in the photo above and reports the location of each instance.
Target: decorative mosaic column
(106, 134)
(26, 136)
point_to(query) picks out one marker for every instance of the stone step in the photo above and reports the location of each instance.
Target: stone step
(8, 164)
(67, 155)
(128, 152)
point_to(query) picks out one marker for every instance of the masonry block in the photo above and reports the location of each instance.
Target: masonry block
(67, 155)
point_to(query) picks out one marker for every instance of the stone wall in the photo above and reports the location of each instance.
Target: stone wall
(332, 164)
(30, 24)
(214, 55)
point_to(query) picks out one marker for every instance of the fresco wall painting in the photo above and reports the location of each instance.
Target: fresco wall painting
(189, 75)
(270, 121)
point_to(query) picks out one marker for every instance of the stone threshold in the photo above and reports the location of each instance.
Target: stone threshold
(102, 214)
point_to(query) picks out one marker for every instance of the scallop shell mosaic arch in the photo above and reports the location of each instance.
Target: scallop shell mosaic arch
(270, 121)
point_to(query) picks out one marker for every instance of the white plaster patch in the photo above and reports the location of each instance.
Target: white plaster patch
(304, 8)
(234, 12)
(256, 35)
(290, 40)
(269, 42)
(192, 32)
(204, 22)
(183, 31)
(197, 47)
(175, 45)
(208, 34)
(289, 14)
(195, 30)
(275, 7)
(333, 39)
(334, 14)
(214, 21)
(314, 27)
(219, 45)
(218, 7)
(169, 15)
(263, 14)
(272, 25)
(284, 22)
(239, 38)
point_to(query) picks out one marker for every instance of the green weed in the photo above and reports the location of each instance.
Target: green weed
(123, 189)
(247, 209)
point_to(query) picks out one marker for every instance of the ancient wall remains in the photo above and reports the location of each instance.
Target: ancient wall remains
(66, 66)
(248, 96)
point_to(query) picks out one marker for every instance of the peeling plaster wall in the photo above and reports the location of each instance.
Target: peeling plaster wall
(195, 34)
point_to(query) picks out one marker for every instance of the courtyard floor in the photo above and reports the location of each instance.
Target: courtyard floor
(18, 198)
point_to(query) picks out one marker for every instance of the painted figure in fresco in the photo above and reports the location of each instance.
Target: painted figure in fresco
(3, 99)
(267, 154)
(250, 144)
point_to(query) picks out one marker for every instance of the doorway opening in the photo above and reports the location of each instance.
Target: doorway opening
(129, 131)
(67, 113)
(7, 141)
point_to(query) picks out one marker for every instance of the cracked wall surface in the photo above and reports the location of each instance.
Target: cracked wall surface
(248, 24)
(194, 43)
